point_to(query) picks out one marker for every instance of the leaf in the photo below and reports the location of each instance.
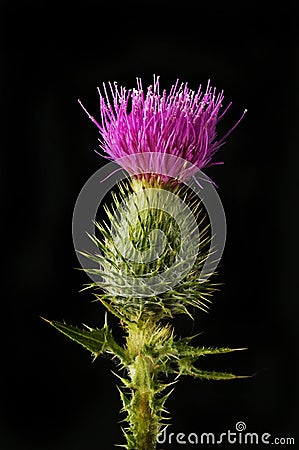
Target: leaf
(126, 401)
(185, 367)
(185, 350)
(216, 350)
(94, 340)
(209, 375)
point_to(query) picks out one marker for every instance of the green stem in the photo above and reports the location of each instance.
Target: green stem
(144, 413)
(144, 420)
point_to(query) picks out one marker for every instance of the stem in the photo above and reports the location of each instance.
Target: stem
(144, 420)
(144, 409)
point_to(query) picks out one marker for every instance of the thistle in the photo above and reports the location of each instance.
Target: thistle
(153, 245)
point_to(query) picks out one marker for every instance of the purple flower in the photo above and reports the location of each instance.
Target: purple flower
(141, 130)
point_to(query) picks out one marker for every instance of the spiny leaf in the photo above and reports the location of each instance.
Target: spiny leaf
(131, 444)
(125, 400)
(159, 402)
(208, 375)
(216, 350)
(185, 350)
(94, 340)
(127, 383)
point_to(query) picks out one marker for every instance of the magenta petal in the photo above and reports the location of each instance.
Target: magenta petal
(182, 123)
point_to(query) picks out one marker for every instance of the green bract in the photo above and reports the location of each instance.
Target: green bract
(150, 259)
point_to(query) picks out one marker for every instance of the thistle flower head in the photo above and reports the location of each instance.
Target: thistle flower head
(157, 244)
(140, 125)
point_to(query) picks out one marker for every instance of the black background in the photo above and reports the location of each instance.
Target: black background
(52, 396)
